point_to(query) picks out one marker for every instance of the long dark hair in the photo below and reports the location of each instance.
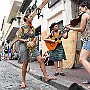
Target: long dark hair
(85, 3)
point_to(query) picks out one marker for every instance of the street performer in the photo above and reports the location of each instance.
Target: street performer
(56, 53)
(25, 32)
(85, 35)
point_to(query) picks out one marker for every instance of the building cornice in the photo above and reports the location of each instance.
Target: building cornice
(14, 10)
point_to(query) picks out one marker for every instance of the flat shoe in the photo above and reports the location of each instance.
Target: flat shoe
(56, 74)
(62, 74)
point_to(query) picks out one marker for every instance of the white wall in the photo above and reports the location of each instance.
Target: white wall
(55, 14)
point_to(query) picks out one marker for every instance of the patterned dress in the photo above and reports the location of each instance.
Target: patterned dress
(57, 54)
(85, 36)
(24, 52)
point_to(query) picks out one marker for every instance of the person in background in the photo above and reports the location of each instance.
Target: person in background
(0, 56)
(85, 35)
(15, 57)
(58, 54)
(27, 28)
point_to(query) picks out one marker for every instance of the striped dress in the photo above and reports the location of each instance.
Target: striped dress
(58, 54)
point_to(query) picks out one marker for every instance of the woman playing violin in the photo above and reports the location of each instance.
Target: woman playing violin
(85, 34)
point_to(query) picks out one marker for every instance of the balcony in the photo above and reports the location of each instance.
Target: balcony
(14, 10)
(12, 30)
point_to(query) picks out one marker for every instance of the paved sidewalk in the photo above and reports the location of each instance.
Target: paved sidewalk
(62, 82)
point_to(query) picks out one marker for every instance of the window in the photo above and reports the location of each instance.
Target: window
(60, 25)
(51, 3)
(38, 30)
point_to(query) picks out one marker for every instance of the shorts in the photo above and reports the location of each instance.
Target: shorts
(86, 45)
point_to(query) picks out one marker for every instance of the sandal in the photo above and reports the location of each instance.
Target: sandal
(62, 74)
(87, 82)
(56, 74)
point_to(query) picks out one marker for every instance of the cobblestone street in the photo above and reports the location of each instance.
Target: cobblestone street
(10, 79)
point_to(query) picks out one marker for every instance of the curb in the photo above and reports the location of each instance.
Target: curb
(60, 84)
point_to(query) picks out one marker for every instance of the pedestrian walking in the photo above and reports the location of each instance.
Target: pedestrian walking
(85, 34)
(27, 31)
(57, 53)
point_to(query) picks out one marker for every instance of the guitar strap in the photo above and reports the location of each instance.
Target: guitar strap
(52, 33)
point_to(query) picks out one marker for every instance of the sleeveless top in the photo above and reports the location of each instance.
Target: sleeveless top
(85, 35)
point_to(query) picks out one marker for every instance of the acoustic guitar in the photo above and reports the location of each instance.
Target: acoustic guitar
(52, 45)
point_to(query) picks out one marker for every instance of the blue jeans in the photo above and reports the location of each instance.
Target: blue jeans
(86, 45)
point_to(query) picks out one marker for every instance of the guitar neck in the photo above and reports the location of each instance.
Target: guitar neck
(61, 35)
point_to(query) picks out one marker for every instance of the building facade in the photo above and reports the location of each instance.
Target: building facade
(45, 12)
(10, 26)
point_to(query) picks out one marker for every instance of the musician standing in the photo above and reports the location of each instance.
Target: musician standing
(85, 35)
(27, 28)
(58, 54)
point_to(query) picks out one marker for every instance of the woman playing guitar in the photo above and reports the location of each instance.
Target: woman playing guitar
(56, 53)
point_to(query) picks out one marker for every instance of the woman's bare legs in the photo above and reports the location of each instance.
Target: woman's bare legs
(43, 68)
(83, 59)
(56, 66)
(24, 70)
(61, 66)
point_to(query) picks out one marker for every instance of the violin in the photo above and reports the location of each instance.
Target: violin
(76, 20)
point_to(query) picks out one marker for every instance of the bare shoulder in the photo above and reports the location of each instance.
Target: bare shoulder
(85, 15)
(48, 34)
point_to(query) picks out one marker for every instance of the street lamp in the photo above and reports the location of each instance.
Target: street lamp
(18, 18)
(38, 11)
